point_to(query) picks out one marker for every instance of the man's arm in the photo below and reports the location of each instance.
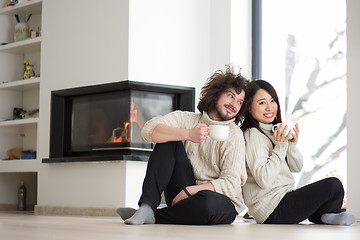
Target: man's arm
(192, 190)
(164, 133)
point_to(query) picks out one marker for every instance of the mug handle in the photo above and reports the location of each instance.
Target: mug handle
(274, 126)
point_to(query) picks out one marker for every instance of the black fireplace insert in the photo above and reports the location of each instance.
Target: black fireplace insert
(104, 122)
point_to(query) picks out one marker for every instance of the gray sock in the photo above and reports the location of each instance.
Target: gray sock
(125, 213)
(145, 214)
(343, 218)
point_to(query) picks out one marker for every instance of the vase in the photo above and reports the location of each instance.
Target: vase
(21, 31)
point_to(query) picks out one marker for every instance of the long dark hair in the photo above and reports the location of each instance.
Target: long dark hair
(249, 121)
(217, 84)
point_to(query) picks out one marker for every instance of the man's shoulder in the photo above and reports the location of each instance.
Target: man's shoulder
(185, 114)
(236, 132)
(236, 128)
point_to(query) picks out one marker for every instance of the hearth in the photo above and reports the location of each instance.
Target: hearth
(104, 122)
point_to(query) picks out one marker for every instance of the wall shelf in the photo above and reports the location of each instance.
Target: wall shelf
(33, 7)
(21, 85)
(18, 166)
(20, 122)
(22, 47)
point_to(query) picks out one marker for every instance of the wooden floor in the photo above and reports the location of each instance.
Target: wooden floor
(16, 226)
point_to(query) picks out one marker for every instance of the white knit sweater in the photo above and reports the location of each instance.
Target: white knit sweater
(269, 174)
(220, 162)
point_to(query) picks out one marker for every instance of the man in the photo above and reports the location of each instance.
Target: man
(201, 178)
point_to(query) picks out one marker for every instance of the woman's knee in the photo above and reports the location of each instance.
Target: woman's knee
(335, 185)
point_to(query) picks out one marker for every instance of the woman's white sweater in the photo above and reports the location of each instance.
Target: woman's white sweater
(220, 162)
(269, 174)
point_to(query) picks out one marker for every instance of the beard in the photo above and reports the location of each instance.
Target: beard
(224, 115)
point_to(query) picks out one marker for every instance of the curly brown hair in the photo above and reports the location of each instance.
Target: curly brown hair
(219, 83)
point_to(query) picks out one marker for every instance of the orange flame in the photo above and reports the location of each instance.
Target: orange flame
(125, 137)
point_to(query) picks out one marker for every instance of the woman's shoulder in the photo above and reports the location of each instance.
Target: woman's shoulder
(252, 131)
(254, 134)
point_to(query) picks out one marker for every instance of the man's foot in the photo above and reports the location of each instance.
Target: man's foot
(344, 218)
(144, 215)
(126, 213)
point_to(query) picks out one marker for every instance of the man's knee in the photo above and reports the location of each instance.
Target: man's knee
(217, 207)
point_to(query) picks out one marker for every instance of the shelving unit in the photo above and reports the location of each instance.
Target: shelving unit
(16, 92)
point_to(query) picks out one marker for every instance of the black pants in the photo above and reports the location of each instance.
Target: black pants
(168, 171)
(309, 202)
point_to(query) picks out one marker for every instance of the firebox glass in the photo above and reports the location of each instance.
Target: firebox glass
(114, 120)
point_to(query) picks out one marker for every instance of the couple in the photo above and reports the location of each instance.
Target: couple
(204, 181)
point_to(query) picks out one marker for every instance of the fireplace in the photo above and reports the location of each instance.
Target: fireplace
(104, 122)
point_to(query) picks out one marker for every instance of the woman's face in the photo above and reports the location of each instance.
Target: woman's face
(263, 107)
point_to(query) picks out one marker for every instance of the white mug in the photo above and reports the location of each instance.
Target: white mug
(219, 132)
(289, 125)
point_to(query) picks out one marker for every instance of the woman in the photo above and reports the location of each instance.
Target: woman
(271, 157)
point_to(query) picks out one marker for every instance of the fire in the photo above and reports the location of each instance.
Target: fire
(133, 112)
(125, 135)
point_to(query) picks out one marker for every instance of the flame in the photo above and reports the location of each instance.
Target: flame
(133, 112)
(125, 136)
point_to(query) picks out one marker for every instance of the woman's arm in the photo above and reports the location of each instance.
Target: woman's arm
(263, 161)
(295, 159)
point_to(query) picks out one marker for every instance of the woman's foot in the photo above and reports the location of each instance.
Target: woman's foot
(344, 218)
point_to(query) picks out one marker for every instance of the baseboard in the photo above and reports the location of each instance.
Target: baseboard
(14, 207)
(74, 211)
(8, 207)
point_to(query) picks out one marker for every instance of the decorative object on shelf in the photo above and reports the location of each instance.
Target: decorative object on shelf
(19, 113)
(29, 72)
(21, 29)
(22, 197)
(11, 3)
(32, 34)
(14, 153)
(28, 154)
(34, 113)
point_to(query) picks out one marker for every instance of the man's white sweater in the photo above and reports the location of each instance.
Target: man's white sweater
(220, 162)
(269, 174)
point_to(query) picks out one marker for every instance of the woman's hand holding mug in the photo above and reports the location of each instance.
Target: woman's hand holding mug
(286, 132)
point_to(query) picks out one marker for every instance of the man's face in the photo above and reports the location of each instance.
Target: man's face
(228, 105)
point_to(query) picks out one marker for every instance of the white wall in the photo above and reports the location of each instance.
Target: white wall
(88, 42)
(178, 42)
(240, 41)
(353, 114)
